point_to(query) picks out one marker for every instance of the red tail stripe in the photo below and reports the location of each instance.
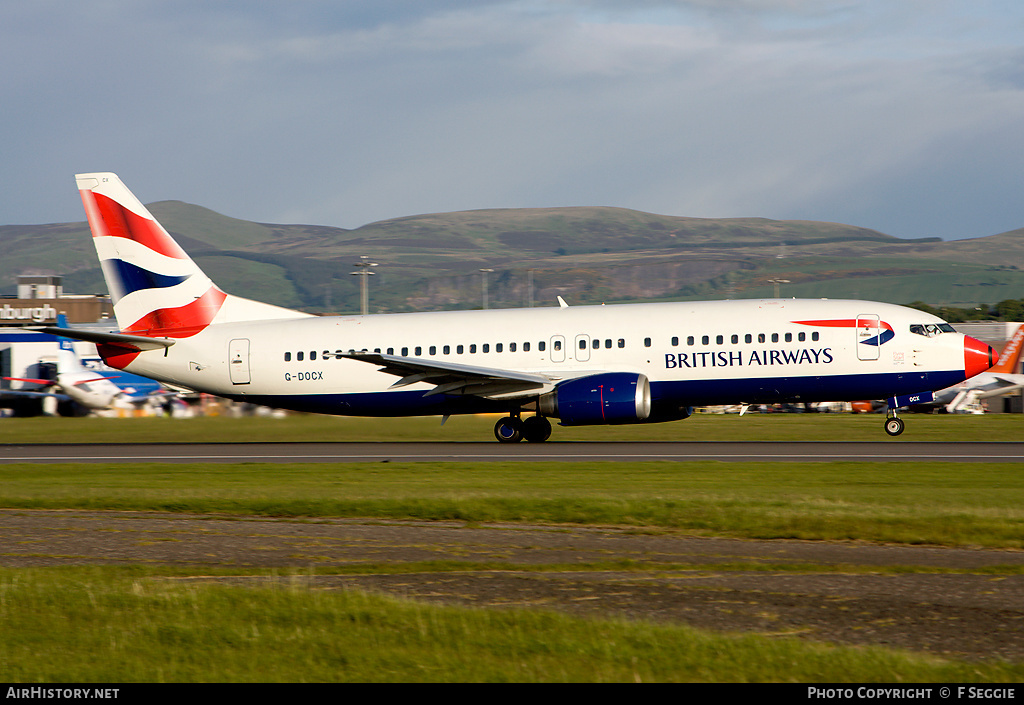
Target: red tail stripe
(182, 322)
(846, 323)
(117, 355)
(107, 217)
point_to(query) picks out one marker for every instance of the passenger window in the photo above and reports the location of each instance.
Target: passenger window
(719, 339)
(760, 337)
(675, 341)
(511, 347)
(801, 337)
(405, 352)
(647, 342)
(775, 337)
(287, 357)
(542, 346)
(814, 336)
(595, 344)
(608, 343)
(789, 337)
(704, 340)
(419, 350)
(498, 347)
(433, 350)
(689, 340)
(472, 348)
(299, 356)
(312, 354)
(735, 339)
(583, 344)
(557, 345)
(391, 351)
(486, 348)
(446, 350)
(459, 349)
(748, 338)
(526, 346)
(622, 342)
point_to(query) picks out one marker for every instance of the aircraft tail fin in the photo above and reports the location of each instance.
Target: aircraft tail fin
(1009, 361)
(156, 288)
(67, 358)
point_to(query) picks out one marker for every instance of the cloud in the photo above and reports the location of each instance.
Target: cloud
(892, 115)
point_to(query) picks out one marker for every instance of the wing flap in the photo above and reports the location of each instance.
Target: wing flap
(455, 378)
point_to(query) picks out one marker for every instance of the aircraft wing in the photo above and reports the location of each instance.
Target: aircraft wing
(37, 393)
(1008, 384)
(454, 378)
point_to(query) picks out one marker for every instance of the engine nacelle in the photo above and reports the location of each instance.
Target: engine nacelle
(610, 398)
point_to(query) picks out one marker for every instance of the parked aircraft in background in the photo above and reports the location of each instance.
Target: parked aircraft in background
(75, 390)
(623, 364)
(1002, 379)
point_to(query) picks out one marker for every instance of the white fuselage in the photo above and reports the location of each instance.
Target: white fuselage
(698, 353)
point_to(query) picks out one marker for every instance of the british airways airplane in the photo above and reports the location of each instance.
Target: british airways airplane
(581, 365)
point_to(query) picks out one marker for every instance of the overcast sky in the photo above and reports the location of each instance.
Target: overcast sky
(906, 116)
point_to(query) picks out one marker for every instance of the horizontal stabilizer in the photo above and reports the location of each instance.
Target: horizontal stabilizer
(94, 336)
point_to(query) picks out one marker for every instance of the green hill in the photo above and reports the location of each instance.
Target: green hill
(586, 255)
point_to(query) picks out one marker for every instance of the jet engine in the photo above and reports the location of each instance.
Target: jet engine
(609, 398)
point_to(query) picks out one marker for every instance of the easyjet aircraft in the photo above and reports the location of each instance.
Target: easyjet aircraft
(1000, 380)
(624, 364)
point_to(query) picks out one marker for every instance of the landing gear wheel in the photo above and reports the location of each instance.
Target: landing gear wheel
(509, 430)
(536, 429)
(894, 426)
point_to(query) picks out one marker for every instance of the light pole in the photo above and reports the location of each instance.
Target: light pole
(483, 284)
(363, 272)
(776, 282)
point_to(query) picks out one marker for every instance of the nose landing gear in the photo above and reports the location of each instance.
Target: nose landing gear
(893, 423)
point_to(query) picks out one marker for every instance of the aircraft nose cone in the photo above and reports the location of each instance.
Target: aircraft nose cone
(978, 357)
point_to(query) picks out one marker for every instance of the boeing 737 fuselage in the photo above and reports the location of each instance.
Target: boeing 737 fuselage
(623, 364)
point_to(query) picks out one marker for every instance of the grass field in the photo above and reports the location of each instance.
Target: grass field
(118, 624)
(133, 625)
(700, 427)
(953, 504)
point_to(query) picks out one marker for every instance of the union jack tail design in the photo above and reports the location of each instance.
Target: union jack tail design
(156, 288)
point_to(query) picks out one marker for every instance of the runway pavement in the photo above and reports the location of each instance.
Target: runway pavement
(482, 452)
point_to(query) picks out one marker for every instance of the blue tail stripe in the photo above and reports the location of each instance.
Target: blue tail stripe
(134, 278)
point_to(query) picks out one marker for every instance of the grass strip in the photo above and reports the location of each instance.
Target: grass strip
(316, 428)
(952, 504)
(83, 625)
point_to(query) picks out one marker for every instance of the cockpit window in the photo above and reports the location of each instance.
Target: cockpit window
(930, 330)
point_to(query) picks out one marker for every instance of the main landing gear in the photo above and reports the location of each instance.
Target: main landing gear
(512, 429)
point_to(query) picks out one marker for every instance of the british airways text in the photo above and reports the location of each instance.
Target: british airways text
(722, 358)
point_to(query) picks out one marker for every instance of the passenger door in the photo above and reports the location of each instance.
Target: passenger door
(867, 328)
(557, 348)
(238, 361)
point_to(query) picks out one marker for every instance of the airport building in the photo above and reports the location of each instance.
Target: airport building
(41, 299)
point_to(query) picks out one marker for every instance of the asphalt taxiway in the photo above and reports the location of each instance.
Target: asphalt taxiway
(482, 452)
